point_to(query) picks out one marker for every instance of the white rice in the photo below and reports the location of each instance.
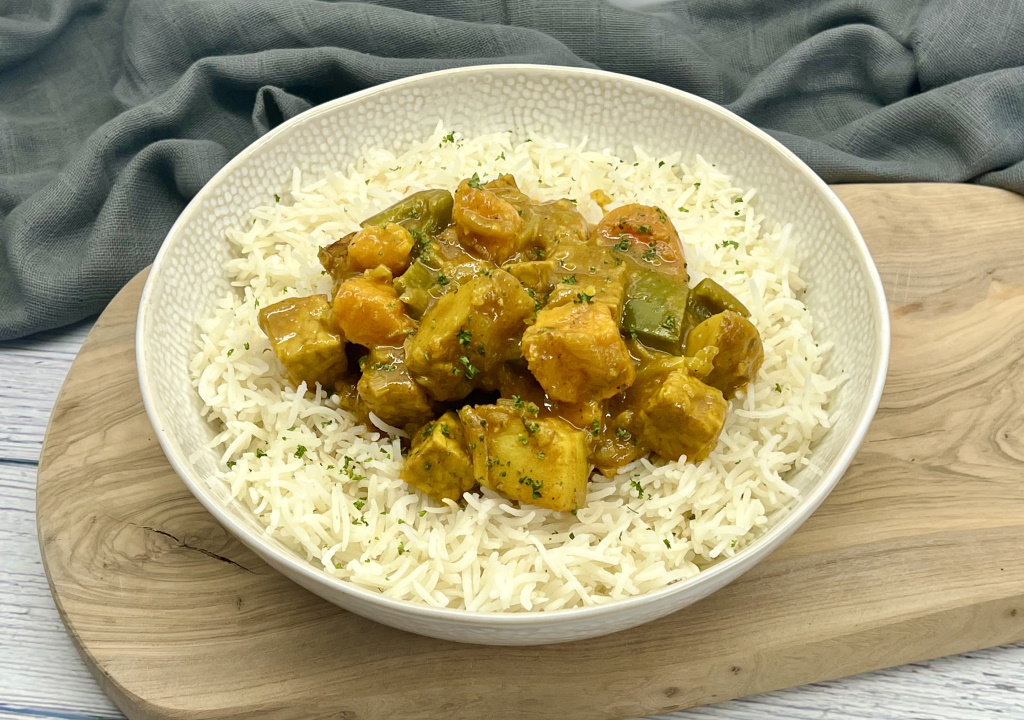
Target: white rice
(330, 489)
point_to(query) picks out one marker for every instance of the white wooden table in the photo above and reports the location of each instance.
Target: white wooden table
(41, 675)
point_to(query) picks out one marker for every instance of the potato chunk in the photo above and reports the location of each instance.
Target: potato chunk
(389, 245)
(679, 416)
(740, 352)
(387, 389)
(368, 311)
(439, 464)
(306, 340)
(536, 461)
(466, 336)
(576, 353)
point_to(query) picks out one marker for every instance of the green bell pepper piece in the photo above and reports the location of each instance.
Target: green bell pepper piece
(655, 311)
(427, 212)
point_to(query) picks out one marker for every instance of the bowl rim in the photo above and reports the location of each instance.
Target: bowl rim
(745, 559)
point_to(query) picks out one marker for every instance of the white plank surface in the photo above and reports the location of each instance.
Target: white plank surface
(41, 675)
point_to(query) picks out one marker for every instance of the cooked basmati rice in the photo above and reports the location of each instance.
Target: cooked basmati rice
(330, 489)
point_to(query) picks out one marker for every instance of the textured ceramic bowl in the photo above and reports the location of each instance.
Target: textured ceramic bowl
(844, 293)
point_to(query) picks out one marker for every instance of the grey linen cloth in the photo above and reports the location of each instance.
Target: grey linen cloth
(114, 113)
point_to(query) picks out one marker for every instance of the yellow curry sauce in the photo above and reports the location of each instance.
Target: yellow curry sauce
(518, 346)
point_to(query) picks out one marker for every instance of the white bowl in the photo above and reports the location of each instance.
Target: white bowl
(617, 112)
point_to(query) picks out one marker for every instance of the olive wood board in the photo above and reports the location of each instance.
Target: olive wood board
(916, 554)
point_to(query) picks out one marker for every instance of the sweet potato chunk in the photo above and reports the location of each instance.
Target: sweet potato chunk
(439, 464)
(306, 340)
(389, 245)
(576, 353)
(368, 311)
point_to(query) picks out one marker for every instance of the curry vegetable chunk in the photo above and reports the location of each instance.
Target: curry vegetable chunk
(306, 340)
(680, 415)
(535, 460)
(369, 312)
(389, 245)
(739, 355)
(575, 352)
(439, 464)
(468, 334)
(388, 390)
(519, 346)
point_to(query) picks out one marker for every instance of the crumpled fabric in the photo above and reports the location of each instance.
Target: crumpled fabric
(114, 113)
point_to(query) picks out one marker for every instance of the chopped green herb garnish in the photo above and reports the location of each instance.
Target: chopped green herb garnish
(583, 297)
(733, 243)
(427, 467)
(445, 431)
(572, 536)
(650, 254)
(474, 182)
(570, 280)
(622, 245)
(277, 198)
(535, 485)
(469, 369)
(260, 453)
(522, 439)
(669, 323)
(300, 451)
(541, 455)
(622, 433)
(667, 543)
(358, 504)
(465, 337)
(422, 513)
(595, 428)
(449, 138)
(682, 209)
(442, 279)
(230, 351)
(245, 345)
(644, 229)
(532, 427)
(778, 388)
(401, 548)
(638, 487)
(231, 463)
(383, 367)
(517, 402)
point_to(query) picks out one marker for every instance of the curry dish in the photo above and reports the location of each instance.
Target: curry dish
(518, 346)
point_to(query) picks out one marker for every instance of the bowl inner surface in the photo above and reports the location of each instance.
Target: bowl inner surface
(612, 112)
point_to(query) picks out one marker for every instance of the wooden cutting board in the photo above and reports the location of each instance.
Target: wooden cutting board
(916, 554)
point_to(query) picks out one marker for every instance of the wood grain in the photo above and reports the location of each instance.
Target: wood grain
(915, 555)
